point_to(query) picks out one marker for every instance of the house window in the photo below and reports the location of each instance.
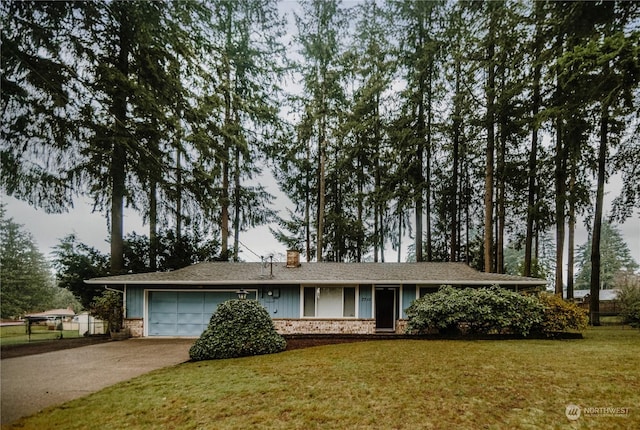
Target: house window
(427, 290)
(329, 302)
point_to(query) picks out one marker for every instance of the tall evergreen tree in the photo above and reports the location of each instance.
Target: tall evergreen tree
(40, 113)
(27, 282)
(366, 127)
(319, 34)
(615, 257)
(245, 35)
(117, 63)
(420, 51)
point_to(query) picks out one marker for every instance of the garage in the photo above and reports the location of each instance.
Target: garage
(183, 313)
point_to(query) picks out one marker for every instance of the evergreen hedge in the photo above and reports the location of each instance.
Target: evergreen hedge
(238, 328)
(492, 310)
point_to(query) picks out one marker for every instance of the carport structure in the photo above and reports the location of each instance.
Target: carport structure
(54, 315)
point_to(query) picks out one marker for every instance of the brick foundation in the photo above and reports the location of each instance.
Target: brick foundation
(325, 326)
(300, 326)
(401, 326)
(135, 326)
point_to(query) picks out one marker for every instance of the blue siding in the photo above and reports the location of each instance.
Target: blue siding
(284, 303)
(366, 302)
(188, 312)
(135, 302)
(408, 296)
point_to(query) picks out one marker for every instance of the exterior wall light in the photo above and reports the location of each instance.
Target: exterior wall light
(242, 294)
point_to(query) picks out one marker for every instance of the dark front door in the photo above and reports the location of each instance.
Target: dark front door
(385, 309)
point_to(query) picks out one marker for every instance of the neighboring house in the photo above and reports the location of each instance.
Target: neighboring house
(53, 317)
(609, 304)
(301, 298)
(604, 295)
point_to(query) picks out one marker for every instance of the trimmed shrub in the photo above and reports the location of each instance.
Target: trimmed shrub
(560, 316)
(238, 328)
(494, 310)
(475, 311)
(442, 310)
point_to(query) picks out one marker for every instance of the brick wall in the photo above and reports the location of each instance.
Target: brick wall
(300, 326)
(401, 326)
(325, 326)
(135, 326)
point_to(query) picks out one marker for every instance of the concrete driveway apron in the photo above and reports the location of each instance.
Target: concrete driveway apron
(32, 383)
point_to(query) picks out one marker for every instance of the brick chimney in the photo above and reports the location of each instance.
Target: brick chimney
(293, 258)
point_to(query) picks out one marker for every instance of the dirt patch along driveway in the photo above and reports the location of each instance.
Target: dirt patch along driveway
(32, 383)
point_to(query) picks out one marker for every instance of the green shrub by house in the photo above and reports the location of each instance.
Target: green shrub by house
(474, 311)
(238, 328)
(492, 310)
(560, 315)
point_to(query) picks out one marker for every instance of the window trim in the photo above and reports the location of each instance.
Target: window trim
(342, 288)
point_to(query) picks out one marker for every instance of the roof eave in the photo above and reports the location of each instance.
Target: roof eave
(318, 282)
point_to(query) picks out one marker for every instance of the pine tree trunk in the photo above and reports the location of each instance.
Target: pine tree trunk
(307, 206)
(572, 231)
(376, 208)
(429, 238)
(118, 175)
(500, 197)
(228, 112)
(117, 168)
(237, 203)
(418, 181)
(454, 195)
(560, 179)
(399, 215)
(321, 200)
(178, 193)
(153, 225)
(360, 213)
(224, 216)
(594, 300)
(381, 212)
(533, 154)
(489, 169)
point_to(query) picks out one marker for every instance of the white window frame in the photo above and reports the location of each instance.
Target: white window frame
(317, 292)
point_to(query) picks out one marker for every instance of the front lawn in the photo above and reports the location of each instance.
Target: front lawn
(402, 384)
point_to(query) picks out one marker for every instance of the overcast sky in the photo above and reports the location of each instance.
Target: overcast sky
(91, 228)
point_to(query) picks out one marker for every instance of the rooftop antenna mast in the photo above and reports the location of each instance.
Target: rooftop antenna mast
(271, 262)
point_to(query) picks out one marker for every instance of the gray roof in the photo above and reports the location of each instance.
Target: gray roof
(226, 273)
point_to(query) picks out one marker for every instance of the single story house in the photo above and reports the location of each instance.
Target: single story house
(609, 303)
(362, 298)
(604, 295)
(52, 317)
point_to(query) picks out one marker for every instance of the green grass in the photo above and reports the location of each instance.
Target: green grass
(12, 335)
(402, 384)
(611, 320)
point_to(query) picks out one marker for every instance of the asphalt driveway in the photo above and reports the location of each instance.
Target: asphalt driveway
(32, 383)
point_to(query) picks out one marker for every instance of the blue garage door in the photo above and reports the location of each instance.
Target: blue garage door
(180, 313)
